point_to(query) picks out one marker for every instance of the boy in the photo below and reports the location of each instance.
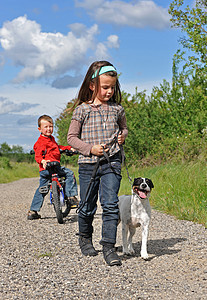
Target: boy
(46, 149)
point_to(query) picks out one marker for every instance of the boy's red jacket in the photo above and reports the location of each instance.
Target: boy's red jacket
(48, 146)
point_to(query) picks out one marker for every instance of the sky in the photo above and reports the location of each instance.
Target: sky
(47, 46)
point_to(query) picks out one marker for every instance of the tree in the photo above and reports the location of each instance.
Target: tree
(5, 149)
(193, 22)
(17, 149)
(62, 123)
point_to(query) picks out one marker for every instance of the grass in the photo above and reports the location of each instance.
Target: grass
(180, 189)
(17, 171)
(45, 254)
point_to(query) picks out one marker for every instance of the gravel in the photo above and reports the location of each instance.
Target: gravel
(40, 259)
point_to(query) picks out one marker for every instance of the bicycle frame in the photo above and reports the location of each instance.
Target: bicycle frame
(60, 185)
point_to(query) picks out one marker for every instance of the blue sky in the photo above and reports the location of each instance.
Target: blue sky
(47, 46)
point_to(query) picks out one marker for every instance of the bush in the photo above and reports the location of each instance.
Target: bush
(5, 163)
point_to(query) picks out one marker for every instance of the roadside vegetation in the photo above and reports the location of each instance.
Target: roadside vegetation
(167, 139)
(11, 171)
(180, 189)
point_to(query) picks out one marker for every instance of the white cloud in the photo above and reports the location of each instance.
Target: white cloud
(101, 52)
(45, 54)
(113, 41)
(7, 106)
(102, 48)
(137, 14)
(78, 29)
(51, 101)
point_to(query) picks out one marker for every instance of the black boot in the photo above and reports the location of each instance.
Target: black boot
(86, 246)
(110, 255)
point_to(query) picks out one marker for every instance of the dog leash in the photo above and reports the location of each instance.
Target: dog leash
(130, 180)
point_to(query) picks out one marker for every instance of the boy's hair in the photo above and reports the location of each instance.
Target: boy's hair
(46, 118)
(86, 94)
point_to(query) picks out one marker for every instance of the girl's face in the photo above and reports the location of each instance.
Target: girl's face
(106, 88)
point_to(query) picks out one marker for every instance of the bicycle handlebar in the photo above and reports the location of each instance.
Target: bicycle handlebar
(52, 164)
(66, 152)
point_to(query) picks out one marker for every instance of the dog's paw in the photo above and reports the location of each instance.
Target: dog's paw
(144, 255)
(131, 251)
(126, 252)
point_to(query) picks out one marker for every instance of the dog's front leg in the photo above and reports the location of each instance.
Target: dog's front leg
(132, 231)
(145, 229)
(125, 228)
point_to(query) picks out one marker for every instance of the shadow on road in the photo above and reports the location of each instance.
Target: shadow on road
(157, 247)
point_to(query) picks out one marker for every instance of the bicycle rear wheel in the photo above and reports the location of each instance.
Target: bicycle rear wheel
(56, 202)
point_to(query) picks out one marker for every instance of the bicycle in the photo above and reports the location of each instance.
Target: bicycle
(56, 187)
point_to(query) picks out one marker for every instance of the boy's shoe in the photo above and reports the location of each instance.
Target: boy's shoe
(86, 246)
(110, 256)
(33, 215)
(73, 202)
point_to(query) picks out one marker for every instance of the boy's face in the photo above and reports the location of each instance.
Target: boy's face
(46, 128)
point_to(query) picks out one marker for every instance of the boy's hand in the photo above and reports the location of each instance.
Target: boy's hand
(98, 149)
(44, 163)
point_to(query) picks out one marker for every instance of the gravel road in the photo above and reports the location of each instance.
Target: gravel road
(40, 259)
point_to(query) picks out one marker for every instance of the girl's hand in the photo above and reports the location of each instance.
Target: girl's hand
(98, 149)
(121, 138)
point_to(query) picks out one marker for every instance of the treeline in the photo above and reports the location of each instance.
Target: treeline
(14, 153)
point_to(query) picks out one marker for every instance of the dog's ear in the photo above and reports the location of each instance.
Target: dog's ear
(137, 181)
(149, 182)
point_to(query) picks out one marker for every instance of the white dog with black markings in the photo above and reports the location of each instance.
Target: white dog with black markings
(134, 211)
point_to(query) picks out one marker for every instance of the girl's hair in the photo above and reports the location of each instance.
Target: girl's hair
(86, 94)
(45, 118)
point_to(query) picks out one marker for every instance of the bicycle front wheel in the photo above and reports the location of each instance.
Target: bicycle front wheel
(67, 209)
(56, 202)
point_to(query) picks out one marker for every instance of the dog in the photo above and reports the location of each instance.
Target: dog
(135, 211)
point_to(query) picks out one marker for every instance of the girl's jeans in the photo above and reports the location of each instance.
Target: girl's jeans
(70, 186)
(107, 183)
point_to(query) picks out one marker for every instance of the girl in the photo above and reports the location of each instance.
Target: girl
(98, 127)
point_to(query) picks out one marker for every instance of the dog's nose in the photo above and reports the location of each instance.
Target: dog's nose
(143, 185)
